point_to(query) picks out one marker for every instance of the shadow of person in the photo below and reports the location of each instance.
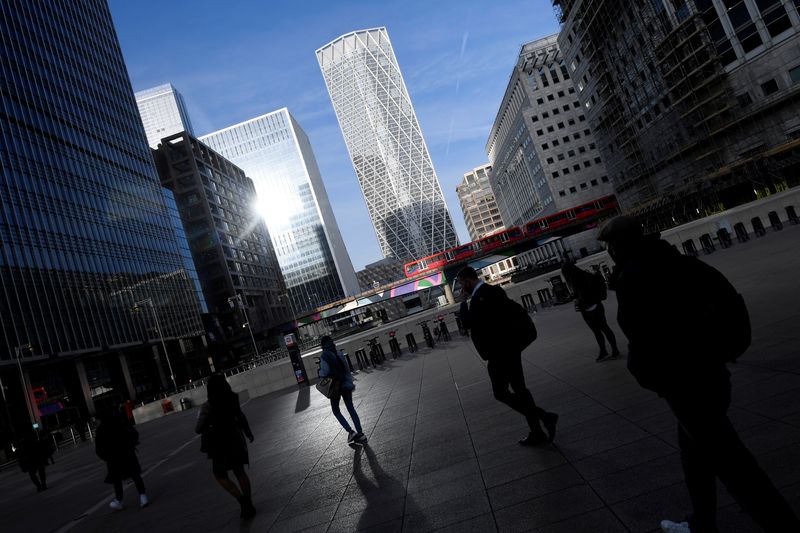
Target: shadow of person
(303, 399)
(385, 495)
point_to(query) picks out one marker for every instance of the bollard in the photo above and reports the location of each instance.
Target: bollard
(349, 362)
(361, 358)
(412, 343)
(394, 345)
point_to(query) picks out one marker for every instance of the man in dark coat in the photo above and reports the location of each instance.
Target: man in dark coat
(664, 299)
(492, 317)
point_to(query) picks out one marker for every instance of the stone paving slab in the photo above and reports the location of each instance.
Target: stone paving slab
(443, 454)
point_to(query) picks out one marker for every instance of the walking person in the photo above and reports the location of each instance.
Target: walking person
(32, 456)
(590, 291)
(223, 428)
(501, 329)
(679, 348)
(115, 443)
(333, 364)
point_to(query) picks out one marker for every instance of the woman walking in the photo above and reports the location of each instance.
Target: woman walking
(33, 455)
(223, 427)
(115, 443)
(589, 292)
(332, 364)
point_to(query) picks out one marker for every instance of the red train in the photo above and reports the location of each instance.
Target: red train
(535, 228)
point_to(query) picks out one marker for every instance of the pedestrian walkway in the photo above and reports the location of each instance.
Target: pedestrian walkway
(443, 455)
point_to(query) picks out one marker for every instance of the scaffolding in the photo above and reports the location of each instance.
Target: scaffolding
(665, 112)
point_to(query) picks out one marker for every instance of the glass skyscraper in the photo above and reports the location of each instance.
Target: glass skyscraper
(84, 230)
(275, 153)
(163, 113)
(386, 146)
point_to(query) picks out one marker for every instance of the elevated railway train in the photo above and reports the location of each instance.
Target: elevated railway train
(537, 228)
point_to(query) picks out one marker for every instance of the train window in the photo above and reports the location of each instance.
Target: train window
(571, 214)
(449, 255)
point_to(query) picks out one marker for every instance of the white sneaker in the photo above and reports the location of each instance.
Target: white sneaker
(668, 526)
(143, 501)
(116, 504)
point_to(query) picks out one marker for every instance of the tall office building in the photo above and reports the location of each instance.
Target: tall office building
(228, 240)
(85, 230)
(275, 153)
(378, 273)
(386, 146)
(695, 104)
(475, 194)
(163, 113)
(543, 153)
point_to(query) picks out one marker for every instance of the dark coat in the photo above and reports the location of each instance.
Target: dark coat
(115, 443)
(585, 287)
(661, 295)
(223, 429)
(33, 453)
(490, 317)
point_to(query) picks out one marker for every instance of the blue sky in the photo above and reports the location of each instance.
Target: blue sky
(236, 60)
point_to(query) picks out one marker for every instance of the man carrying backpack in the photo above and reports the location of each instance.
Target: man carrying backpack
(684, 321)
(501, 329)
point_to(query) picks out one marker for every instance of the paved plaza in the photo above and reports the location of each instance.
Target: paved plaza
(443, 455)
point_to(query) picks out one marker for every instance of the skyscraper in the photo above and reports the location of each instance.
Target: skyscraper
(229, 242)
(275, 153)
(478, 203)
(163, 113)
(84, 230)
(386, 146)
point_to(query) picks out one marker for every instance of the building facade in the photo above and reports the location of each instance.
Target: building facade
(478, 204)
(704, 115)
(386, 146)
(276, 154)
(544, 155)
(228, 240)
(85, 233)
(380, 273)
(163, 113)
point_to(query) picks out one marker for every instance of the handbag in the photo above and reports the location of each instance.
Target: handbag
(329, 387)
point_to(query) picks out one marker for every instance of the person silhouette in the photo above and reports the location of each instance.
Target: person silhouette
(670, 353)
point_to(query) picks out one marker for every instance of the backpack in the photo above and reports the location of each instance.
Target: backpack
(725, 316)
(521, 325)
(599, 286)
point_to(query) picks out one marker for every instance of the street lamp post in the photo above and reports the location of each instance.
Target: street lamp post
(149, 302)
(18, 352)
(238, 300)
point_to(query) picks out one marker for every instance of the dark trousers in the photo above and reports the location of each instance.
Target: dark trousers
(347, 395)
(137, 480)
(596, 320)
(711, 449)
(506, 371)
(38, 476)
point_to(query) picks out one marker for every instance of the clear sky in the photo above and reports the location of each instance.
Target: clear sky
(239, 59)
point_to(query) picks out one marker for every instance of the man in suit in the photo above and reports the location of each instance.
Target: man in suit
(491, 316)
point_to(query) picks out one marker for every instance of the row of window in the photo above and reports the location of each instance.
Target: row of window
(556, 111)
(566, 139)
(576, 168)
(571, 153)
(583, 186)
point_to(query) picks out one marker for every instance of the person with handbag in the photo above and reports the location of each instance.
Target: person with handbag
(590, 291)
(501, 329)
(223, 428)
(333, 366)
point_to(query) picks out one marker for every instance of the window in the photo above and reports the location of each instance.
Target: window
(560, 157)
(592, 146)
(571, 122)
(561, 125)
(565, 108)
(561, 94)
(571, 90)
(597, 160)
(566, 171)
(555, 174)
(550, 129)
(604, 179)
(582, 118)
(744, 99)
(794, 74)
(587, 164)
(545, 147)
(562, 193)
(777, 21)
(545, 115)
(582, 149)
(550, 161)
(576, 105)
(550, 97)
(571, 153)
(556, 111)
(565, 139)
(555, 142)
(769, 87)
(535, 118)
(576, 168)
(594, 183)
(583, 185)
(573, 190)
(540, 101)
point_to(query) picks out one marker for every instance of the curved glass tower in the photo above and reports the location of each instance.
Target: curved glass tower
(386, 146)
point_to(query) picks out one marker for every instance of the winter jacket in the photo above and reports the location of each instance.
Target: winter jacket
(115, 443)
(494, 321)
(660, 295)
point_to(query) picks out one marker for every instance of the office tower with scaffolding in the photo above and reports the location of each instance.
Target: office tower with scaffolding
(694, 104)
(389, 154)
(478, 204)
